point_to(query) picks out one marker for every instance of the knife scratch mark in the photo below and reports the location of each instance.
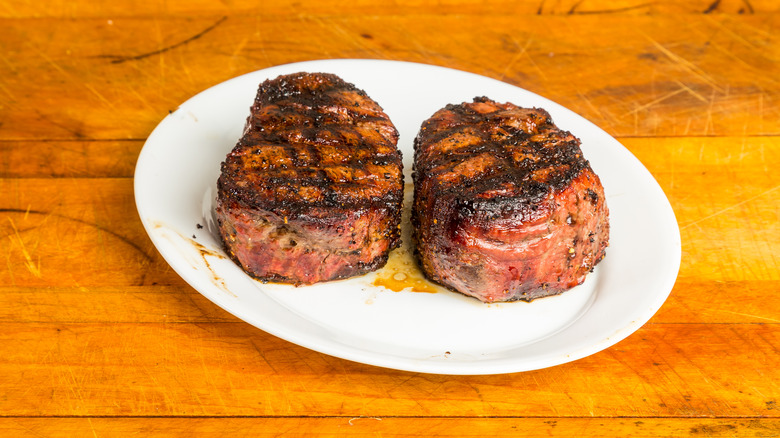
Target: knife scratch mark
(351, 420)
(734, 35)
(262, 41)
(656, 101)
(693, 93)
(81, 221)
(590, 104)
(69, 77)
(322, 22)
(33, 267)
(99, 95)
(142, 99)
(751, 316)
(94, 432)
(121, 59)
(518, 55)
(683, 63)
(7, 92)
(731, 207)
(261, 353)
(515, 58)
(239, 47)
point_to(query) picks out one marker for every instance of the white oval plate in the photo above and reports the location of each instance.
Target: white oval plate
(443, 332)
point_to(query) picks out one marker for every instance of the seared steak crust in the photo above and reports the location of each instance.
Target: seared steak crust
(505, 206)
(313, 189)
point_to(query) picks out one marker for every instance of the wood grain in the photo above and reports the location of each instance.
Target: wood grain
(123, 8)
(99, 337)
(68, 159)
(390, 427)
(233, 369)
(76, 232)
(691, 301)
(633, 75)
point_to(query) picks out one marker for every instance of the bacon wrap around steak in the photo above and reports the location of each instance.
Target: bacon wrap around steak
(313, 189)
(505, 205)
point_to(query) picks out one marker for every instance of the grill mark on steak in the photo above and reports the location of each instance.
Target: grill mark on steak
(313, 189)
(506, 207)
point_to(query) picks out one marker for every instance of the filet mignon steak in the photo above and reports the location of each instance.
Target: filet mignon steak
(505, 205)
(313, 190)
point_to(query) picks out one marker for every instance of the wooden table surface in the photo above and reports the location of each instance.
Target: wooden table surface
(99, 337)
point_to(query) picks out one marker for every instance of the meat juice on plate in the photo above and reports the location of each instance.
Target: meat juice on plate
(401, 271)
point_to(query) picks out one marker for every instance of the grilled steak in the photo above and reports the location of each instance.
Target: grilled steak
(313, 189)
(505, 206)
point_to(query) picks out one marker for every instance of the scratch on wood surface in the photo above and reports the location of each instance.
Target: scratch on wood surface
(516, 57)
(760, 70)
(70, 78)
(335, 27)
(5, 60)
(693, 93)
(655, 101)
(672, 375)
(75, 387)
(731, 207)
(142, 99)
(709, 125)
(262, 40)
(210, 380)
(28, 211)
(32, 266)
(262, 356)
(733, 35)
(94, 432)
(750, 316)
(99, 95)
(239, 47)
(351, 420)
(120, 59)
(168, 402)
(687, 126)
(324, 49)
(683, 63)
(10, 268)
(761, 114)
(590, 105)
(768, 35)
(160, 43)
(522, 52)
(8, 92)
(187, 73)
(362, 42)
(200, 403)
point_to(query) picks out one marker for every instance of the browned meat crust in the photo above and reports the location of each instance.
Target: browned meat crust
(313, 190)
(506, 207)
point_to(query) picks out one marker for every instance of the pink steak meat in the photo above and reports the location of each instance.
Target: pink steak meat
(505, 205)
(312, 191)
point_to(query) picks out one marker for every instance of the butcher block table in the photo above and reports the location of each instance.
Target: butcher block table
(100, 337)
